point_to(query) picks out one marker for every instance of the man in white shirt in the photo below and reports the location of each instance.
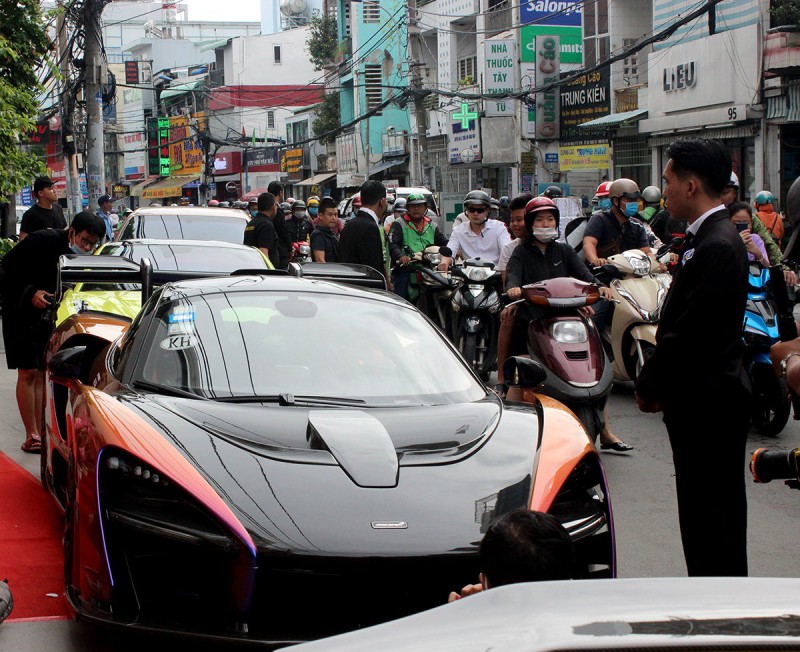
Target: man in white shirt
(480, 237)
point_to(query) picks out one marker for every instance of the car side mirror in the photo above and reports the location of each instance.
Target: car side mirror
(67, 363)
(523, 372)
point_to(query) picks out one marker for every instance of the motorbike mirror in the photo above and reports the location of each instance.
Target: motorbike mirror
(446, 251)
(67, 363)
(676, 242)
(523, 372)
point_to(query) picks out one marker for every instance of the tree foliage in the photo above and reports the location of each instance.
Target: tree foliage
(23, 49)
(328, 118)
(785, 12)
(323, 39)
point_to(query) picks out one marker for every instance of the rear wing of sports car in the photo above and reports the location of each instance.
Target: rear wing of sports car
(104, 269)
(350, 273)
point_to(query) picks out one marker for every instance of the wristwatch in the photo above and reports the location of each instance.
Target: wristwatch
(784, 363)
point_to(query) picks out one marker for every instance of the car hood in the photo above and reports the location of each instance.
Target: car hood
(421, 480)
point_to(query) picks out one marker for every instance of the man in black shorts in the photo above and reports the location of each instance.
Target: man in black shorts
(260, 231)
(45, 213)
(29, 281)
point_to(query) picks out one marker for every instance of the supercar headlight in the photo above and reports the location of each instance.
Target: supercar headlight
(478, 274)
(569, 332)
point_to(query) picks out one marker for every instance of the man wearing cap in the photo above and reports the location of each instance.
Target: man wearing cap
(105, 214)
(46, 213)
(409, 235)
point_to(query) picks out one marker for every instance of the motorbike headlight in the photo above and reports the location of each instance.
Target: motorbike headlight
(434, 259)
(305, 249)
(569, 332)
(640, 266)
(478, 274)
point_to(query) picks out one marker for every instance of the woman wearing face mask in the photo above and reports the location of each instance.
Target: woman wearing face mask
(540, 257)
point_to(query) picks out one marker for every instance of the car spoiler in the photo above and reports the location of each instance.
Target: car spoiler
(77, 268)
(350, 273)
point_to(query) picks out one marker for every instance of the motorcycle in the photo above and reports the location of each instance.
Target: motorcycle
(301, 252)
(476, 307)
(638, 293)
(771, 405)
(435, 287)
(564, 340)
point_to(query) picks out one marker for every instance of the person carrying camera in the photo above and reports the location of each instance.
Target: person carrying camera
(29, 277)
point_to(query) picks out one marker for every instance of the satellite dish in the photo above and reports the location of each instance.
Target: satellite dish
(293, 7)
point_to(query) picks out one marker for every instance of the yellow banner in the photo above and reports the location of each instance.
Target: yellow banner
(584, 157)
(186, 151)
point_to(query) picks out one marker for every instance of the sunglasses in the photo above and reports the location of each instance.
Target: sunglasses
(476, 209)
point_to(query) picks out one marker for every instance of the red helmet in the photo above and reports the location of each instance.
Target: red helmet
(213, 202)
(537, 205)
(603, 189)
(357, 200)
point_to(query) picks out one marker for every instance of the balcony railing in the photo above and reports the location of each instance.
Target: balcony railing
(499, 16)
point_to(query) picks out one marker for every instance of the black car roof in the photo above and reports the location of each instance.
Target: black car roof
(274, 283)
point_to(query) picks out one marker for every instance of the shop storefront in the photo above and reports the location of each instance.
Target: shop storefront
(697, 90)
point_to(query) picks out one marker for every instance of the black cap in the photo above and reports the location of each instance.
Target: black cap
(103, 200)
(41, 183)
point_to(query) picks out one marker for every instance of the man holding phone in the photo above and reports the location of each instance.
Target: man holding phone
(28, 283)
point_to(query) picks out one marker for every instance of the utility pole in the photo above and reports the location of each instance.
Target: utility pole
(95, 165)
(420, 112)
(74, 200)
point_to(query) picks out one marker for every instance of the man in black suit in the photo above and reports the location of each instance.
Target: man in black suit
(695, 375)
(284, 243)
(363, 240)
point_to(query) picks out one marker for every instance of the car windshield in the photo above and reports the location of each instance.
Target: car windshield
(184, 227)
(242, 345)
(186, 257)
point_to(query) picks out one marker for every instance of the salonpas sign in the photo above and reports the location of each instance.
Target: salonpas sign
(500, 75)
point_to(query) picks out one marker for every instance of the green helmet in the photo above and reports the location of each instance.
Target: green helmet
(416, 198)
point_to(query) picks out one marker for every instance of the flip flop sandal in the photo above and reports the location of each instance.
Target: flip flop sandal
(32, 445)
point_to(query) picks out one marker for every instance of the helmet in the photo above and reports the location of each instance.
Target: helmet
(400, 205)
(537, 205)
(252, 200)
(602, 189)
(127, 211)
(313, 201)
(390, 199)
(224, 204)
(313, 198)
(477, 197)
(764, 197)
(291, 200)
(651, 195)
(357, 200)
(626, 188)
(733, 182)
(553, 192)
(504, 201)
(213, 202)
(415, 199)
(494, 203)
(286, 207)
(299, 205)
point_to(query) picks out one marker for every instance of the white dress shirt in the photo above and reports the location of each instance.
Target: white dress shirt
(486, 245)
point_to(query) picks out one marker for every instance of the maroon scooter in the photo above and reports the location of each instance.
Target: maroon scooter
(568, 345)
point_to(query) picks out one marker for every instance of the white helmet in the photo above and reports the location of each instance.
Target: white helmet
(734, 181)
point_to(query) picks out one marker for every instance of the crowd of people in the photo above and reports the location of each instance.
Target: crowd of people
(695, 376)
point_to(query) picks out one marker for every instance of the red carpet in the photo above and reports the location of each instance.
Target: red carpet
(31, 556)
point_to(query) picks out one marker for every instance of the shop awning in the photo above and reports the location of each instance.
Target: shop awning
(180, 89)
(385, 165)
(317, 179)
(137, 189)
(615, 119)
(169, 187)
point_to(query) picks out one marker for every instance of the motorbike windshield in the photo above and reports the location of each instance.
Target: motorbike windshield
(249, 345)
